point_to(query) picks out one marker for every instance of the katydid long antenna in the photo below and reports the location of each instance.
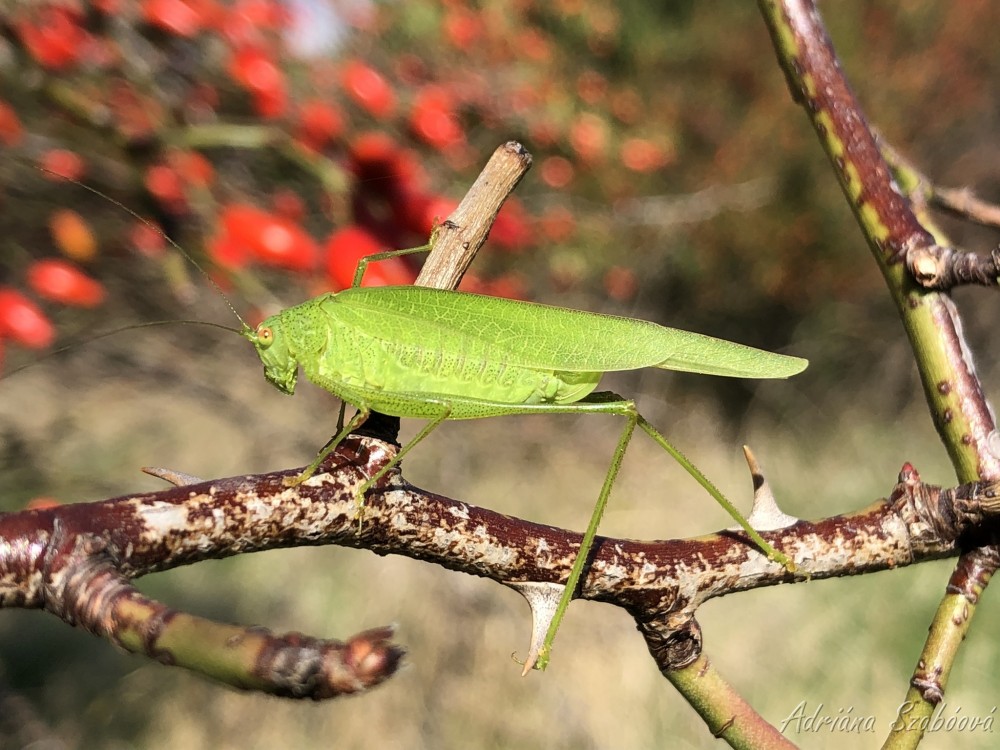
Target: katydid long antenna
(115, 332)
(246, 328)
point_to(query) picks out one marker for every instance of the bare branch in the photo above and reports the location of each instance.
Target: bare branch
(944, 268)
(72, 560)
(936, 266)
(459, 238)
(85, 582)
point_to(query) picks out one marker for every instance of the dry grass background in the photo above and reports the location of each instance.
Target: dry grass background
(848, 644)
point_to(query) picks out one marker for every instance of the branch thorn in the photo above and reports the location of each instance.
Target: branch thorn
(176, 478)
(765, 514)
(543, 598)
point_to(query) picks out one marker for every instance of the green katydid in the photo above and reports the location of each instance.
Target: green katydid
(437, 355)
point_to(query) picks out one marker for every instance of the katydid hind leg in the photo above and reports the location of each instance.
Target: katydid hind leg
(706, 483)
(583, 555)
(356, 421)
(611, 403)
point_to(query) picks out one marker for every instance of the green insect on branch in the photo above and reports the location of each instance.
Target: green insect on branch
(440, 355)
(557, 355)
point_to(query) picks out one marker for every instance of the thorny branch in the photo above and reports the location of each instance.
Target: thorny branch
(910, 254)
(75, 560)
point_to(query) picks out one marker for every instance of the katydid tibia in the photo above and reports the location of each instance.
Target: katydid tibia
(438, 355)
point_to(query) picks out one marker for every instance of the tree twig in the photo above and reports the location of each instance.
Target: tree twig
(963, 417)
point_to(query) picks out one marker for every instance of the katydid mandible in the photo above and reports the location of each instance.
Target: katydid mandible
(437, 355)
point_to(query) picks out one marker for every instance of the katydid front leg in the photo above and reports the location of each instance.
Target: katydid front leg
(356, 421)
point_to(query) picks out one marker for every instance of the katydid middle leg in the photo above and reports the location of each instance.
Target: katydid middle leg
(582, 556)
(427, 429)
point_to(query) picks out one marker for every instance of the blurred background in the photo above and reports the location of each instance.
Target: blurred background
(673, 180)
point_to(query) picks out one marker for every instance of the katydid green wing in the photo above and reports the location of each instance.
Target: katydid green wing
(569, 340)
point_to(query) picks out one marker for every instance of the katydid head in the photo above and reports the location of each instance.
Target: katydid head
(280, 366)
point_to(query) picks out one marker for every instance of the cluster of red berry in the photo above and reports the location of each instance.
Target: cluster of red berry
(358, 123)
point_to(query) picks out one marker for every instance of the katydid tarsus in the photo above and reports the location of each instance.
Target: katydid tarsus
(438, 355)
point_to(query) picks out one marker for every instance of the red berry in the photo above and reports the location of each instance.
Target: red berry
(192, 167)
(286, 245)
(557, 224)
(175, 16)
(270, 104)
(11, 130)
(146, 240)
(535, 45)
(641, 155)
(59, 162)
(269, 238)
(368, 88)
(512, 229)
(433, 119)
(164, 184)
(60, 281)
(620, 283)
(72, 235)
(589, 137)
(254, 69)
(319, 124)
(556, 171)
(262, 14)
(21, 321)
(463, 28)
(53, 36)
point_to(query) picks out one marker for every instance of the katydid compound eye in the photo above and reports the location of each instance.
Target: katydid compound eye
(265, 335)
